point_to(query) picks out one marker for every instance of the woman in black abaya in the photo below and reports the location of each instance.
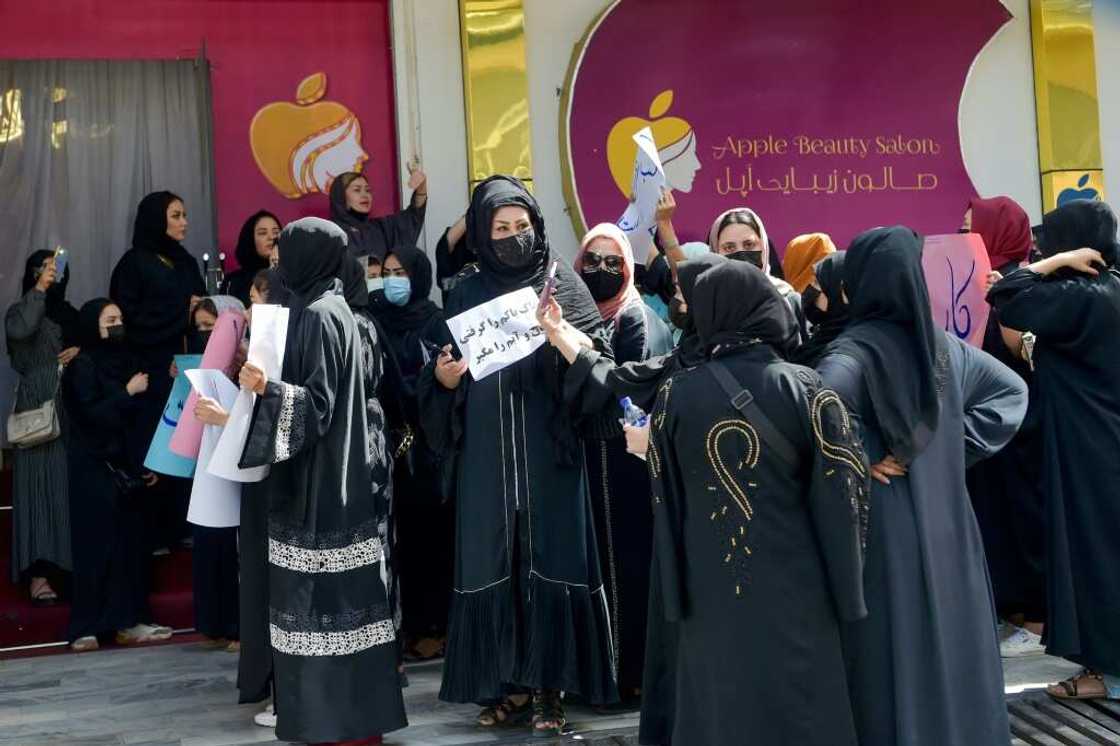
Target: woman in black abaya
(528, 610)
(923, 667)
(100, 392)
(1071, 301)
(255, 244)
(415, 327)
(759, 520)
(351, 203)
(156, 283)
(825, 310)
(333, 640)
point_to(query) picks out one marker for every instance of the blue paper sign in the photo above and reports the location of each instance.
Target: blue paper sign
(160, 457)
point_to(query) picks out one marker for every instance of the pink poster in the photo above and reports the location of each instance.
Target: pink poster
(818, 117)
(219, 355)
(302, 89)
(956, 268)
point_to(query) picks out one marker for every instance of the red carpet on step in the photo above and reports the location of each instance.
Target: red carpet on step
(21, 623)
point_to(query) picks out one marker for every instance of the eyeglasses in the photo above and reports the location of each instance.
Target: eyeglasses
(593, 260)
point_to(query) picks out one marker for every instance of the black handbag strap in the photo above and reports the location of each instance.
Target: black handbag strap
(743, 400)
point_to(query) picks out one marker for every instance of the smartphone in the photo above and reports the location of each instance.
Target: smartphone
(435, 350)
(549, 285)
(60, 259)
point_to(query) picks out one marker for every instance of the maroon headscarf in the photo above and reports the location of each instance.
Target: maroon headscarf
(1005, 228)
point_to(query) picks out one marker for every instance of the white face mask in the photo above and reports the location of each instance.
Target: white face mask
(374, 284)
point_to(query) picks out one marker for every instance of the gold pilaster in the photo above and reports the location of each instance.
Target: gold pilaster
(1065, 84)
(496, 89)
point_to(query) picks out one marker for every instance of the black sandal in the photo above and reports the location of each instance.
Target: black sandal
(547, 708)
(506, 712)
(1071, 688)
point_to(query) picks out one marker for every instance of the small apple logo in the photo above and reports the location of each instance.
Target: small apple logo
(1082, 191)
(300, 147)
(673, 136)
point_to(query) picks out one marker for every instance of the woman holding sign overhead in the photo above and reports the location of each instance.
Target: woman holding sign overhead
(528, 613)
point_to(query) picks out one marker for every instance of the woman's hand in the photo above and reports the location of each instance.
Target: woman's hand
(67, 355)
(150, 478)
(666, 206)
(449, 371)
(210, 412)
(252, 378)
(173, 369)
(1084, 261)
(991, 280)
(563, 336)
(46, 277)
(637, 439)
(887, 468)
(138, 384)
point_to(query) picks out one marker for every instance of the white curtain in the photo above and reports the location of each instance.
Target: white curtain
(81, 142)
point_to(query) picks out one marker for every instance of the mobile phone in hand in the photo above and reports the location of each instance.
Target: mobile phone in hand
(549, 286)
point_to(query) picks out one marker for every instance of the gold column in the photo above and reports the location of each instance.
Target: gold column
(496, 89)
(1065, 86)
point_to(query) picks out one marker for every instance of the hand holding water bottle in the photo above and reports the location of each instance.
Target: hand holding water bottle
(635, 423)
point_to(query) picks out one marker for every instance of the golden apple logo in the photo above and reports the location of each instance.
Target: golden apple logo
(675, 140)
(300, 147)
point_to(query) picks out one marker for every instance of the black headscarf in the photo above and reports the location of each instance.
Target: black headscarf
(59, 309)
(497, 278)
(353, 276)
(149, 232)
(892, 334)
(1082, 223)
(112, 359)
(829, 272)
(247, 257)
(734, 304)
(311, 252)
(690, 350)
(419, 310)
(359, 227)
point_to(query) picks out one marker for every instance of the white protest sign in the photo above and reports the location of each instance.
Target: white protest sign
(499, 332)
(639, 221)
(215, 502)
(268, 336)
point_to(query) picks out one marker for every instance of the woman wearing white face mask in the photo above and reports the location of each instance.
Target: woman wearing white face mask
(414, 328)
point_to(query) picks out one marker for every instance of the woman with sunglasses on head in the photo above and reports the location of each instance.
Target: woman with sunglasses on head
(619, 482)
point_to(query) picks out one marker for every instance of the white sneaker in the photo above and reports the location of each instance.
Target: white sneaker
(266, 718)
(1020, 643)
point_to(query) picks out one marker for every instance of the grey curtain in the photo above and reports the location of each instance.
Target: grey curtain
(81, 142)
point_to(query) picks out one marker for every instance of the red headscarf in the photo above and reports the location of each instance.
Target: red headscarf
(610, 309)
(1005, 228)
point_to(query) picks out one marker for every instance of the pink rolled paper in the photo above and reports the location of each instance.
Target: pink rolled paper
(219, 354)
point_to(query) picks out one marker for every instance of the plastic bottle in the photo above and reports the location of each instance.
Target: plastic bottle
(632, 414)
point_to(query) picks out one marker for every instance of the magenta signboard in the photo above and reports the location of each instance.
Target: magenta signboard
(820, 116)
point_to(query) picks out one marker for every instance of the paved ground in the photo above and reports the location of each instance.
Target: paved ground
(184, 695)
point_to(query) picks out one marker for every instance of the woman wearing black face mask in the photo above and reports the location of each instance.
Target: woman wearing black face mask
(740, 235)
(619, 482)
(101, 390)
(825, 308)
(528, 612)
(205, 316)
